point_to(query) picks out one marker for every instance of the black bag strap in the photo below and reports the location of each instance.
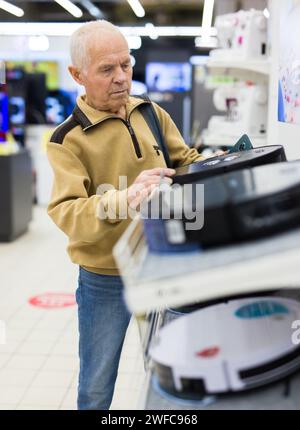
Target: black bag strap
(150, 116)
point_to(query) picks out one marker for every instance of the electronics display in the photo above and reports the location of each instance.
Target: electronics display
(49, 68)
(247, 343)
(17, 110)
(246, 204)
(4, 124)
(228, 163)
(36, 92)
(16, 91)
(16, 74)
(59, 105)
(172, 77)
(138, 88)
(34, 81)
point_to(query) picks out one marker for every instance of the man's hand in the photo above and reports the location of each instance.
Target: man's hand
(218, 153)
(145, 183)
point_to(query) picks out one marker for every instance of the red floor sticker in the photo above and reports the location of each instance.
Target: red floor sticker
(53, 300)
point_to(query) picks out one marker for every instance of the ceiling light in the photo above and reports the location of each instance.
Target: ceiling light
(267, 13)
(137, 8)
(207, 14)
(134, 42)
(152, 31)
(65, 29)
(206, 40)
(92, 9)
(70, 7)
(132, 60)
(8, 7)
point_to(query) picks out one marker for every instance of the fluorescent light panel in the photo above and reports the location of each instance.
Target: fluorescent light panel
(267, 13)
(66, 29)
(134, 42)
(137, 8)
(92, 9)
(152, 33)
(8, 7)
(208, 14)
(70, 7)
(206, 39)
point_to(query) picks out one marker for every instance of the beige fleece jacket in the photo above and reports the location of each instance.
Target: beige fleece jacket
(92, 148)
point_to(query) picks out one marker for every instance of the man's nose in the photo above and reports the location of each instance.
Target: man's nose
(120, 75)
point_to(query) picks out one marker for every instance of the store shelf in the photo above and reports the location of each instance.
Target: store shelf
(15, 194)
(272, 397)
(158, 280)
(155, 281)
(258, 66)
(217, 140)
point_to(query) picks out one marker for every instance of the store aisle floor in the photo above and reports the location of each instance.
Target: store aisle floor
(38, 361)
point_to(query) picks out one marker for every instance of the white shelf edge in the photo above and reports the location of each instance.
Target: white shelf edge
(258, 66)
(231, 141)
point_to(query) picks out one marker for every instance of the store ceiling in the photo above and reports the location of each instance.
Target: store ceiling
(159, 12)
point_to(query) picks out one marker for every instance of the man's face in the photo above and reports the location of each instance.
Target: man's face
(108, 74)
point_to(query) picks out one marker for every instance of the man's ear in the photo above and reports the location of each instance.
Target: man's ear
(76, 74)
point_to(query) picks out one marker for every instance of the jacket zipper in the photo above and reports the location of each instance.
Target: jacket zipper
(130, 129)
(134, 139)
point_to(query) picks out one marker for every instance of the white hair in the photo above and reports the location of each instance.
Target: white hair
(79, 42)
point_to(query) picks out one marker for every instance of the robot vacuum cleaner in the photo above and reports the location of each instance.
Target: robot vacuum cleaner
(229, 163)
(230, 347)
(247, 204)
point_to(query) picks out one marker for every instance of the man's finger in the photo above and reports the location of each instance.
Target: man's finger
(158, 171)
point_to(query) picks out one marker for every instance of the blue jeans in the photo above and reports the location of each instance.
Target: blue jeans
(103, 321)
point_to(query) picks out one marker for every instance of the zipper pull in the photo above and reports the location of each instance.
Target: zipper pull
(157, 149)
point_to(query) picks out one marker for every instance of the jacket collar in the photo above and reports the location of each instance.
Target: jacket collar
(87, 116)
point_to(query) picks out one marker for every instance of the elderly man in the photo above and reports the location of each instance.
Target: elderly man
(105, 138)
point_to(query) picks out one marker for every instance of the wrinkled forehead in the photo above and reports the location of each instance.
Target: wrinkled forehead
(107, 45)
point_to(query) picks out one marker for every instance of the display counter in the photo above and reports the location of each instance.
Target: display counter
(15, 194)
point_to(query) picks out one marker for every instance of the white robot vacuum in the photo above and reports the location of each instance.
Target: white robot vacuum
(229, 347)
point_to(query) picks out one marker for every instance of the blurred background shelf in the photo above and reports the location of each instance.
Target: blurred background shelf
(211, 140)
(15, 194)
(232, 64)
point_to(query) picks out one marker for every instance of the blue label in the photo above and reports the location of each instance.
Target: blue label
(261, 310)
